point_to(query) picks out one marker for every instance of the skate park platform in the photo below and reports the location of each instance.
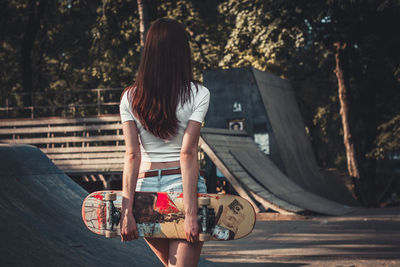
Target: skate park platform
(41, 218)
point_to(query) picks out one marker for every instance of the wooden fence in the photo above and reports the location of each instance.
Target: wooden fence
(91, 145)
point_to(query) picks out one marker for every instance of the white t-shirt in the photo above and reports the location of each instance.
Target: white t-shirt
(154, 149)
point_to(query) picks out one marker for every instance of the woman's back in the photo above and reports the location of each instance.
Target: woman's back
(155, 149)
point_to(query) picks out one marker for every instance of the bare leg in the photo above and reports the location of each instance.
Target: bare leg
(183, 253)
(160, 247)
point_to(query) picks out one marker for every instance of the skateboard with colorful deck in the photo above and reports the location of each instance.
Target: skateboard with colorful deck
(161, 215)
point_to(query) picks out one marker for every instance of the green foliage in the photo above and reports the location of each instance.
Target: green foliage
(95, 44)
(79, 45)
(388, 140)
(263, 34)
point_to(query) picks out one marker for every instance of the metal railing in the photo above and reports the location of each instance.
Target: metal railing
(66, 103)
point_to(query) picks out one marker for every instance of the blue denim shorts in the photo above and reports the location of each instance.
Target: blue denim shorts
(167, 183)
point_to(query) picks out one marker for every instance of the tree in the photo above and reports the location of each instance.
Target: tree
(363, 48)
(144, 21)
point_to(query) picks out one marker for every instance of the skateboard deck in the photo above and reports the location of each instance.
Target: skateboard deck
(160, 215)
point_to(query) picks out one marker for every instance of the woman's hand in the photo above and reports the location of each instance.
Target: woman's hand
(128, 227)
(192, 228)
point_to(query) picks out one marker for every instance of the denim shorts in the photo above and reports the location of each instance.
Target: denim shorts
(167, 183)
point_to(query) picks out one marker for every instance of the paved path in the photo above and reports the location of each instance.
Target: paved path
(367, 238)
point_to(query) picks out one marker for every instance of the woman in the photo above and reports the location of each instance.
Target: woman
(161, 114)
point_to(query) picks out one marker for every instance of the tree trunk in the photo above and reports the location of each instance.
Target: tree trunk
(144, 21)
(35, 11)
(345, 104)
(358, 167)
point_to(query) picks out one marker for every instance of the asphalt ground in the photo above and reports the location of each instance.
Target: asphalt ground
(368, 237)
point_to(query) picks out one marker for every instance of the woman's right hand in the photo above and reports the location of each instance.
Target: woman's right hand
(128, 227)
(192, 228)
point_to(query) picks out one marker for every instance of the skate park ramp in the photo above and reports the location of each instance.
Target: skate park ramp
(254, 175)
(292, 141)
(41, 218)
(264, 171)
(268, 107)
(216, 143)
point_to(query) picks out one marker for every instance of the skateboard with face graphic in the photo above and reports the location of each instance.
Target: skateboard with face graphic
(161, 215)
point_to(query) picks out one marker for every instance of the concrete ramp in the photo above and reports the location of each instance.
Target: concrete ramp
(216, 144)
(293, 143)
(264, 171)
(41, 218)
(254, 176)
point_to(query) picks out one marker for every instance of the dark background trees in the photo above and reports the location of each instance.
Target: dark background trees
(342, 58)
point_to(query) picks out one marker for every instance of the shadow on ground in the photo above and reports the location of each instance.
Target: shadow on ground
(368, 238)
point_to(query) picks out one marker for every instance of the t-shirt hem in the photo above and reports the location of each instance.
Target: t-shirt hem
(196, 119)
(159, 160)
(127, 119)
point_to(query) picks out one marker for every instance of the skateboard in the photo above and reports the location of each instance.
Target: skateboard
(161, 215)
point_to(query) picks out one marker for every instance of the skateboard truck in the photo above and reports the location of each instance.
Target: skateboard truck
(113, 215)
(206, 217)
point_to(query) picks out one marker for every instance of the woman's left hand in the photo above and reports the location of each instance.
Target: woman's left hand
(192, 228)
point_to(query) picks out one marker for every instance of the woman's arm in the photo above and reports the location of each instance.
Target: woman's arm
(129, 179)
(190, 172)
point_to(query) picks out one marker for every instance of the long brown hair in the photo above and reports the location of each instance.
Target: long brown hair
(163, 79)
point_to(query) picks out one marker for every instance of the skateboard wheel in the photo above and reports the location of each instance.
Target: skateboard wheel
(204, 201)
(110, 196)
(204, 237)
(110, 234)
